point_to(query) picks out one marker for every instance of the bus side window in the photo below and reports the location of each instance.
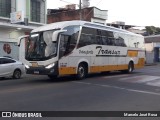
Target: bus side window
(99, 37)
(85, 39)
(88, 37)
(104, 40)
(111, 41)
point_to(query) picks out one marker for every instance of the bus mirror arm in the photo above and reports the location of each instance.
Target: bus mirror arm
(56, 33)
(20, 38)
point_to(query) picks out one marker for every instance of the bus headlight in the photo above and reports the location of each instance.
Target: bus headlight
(27, 66)
(50, 66)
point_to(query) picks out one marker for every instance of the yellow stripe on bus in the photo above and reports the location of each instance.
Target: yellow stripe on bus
(67, 70)
(140, 64)
(94, 69)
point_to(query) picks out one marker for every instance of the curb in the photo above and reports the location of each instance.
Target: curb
(151, 64)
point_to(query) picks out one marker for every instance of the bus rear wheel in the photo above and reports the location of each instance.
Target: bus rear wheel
(130, 68)
(81, 72)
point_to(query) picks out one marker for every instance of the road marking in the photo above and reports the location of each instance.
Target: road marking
(115, 76)
(140, 79)
(121, 88)
(154, 83)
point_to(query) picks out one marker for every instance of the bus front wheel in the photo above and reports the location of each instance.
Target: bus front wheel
(81, 72)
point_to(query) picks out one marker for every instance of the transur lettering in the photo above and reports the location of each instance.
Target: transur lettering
(107, 52)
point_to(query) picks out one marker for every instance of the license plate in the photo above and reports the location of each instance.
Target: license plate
(36, 72)
(34, 64)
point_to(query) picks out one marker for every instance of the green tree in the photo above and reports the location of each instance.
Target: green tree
(151, 30)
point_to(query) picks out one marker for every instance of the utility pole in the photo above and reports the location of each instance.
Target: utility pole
(80, 8)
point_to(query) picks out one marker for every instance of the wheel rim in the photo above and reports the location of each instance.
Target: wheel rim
(17, 74)
(81, 71)
(130, 68)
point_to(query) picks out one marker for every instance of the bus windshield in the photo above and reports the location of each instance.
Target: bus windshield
(39, 46)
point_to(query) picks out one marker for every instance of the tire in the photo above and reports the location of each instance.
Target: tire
(130, 68)
(17, 74)
(105, 73)
(52, 76)
(81, 72)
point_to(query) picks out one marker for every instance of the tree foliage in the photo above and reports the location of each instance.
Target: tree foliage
(151, 30)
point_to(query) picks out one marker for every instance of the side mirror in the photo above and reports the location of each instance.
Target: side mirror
(20, 38)
(55, 34)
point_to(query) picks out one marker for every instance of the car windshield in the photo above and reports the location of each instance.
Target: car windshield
(39, 46)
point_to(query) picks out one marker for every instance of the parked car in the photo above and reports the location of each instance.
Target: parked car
(11, 68)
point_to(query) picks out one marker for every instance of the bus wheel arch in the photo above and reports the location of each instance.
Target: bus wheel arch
(82, 70)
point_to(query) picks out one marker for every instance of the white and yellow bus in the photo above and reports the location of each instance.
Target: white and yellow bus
(80, 48)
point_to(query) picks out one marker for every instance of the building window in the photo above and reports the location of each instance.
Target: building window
(35, 11)
(5, 8)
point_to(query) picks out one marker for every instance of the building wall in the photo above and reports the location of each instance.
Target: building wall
(149, 53)
(87, 14)
(150, 57)
(98, 21)
(9, 32)
(13, 5)
(152, 52)
(101, 14)
(43, 12)
(25, 5)
(91, 14)
(21, 6)
(149, 47)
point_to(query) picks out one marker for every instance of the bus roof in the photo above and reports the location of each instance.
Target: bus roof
(61, 25)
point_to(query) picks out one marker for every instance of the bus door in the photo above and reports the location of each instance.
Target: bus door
(67, 44)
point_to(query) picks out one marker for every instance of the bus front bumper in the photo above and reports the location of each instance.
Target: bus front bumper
(42, 70)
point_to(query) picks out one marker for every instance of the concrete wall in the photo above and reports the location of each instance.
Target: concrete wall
(10, 35)
(149, 57)
(98, 21)
(149, 53)
(101, 14)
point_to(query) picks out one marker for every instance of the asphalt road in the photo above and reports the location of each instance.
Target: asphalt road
(112, 92)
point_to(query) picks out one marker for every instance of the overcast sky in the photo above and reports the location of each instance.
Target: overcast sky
(133, 12)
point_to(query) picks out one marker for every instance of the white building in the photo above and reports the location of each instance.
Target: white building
(152, 45)
(17, 18)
